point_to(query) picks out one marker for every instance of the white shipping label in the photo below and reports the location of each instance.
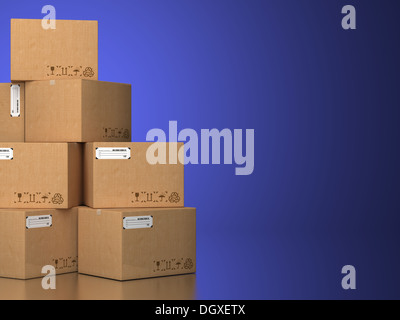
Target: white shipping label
(15, 100)
(35, 222)
(113, 153)
(138, 222)
(6, 153)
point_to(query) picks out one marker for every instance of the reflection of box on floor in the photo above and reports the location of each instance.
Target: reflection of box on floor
(181, 287)
(31, 289)
(126, 244)
(31, 239)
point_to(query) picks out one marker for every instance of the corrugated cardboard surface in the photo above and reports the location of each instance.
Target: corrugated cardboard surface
(77, 111)
(100, 243)
(12, 244)
(75, 174)
(106, 111)
(24, 252)
(41, 175)
(107, 250)
(12, 129)
(68, 52)
(53, 111)
(133, 182)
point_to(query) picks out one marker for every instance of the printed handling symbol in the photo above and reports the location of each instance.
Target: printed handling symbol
(106, 133)
(45, 198)
(188, 264)
(173, 264)
(88, 73)
(126, 134)
(174, 197)
(57, 199)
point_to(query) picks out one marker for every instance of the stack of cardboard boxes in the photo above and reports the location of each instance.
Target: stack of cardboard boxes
(75, 193)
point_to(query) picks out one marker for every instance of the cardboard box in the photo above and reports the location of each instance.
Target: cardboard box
(31, 239)
(118, 175)
(68, 52)
(40, 175)
(12, 112)
(129, 244)
(77, 111)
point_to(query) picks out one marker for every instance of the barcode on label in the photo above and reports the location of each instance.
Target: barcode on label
(35, 222)
(113, 153)
(15, 100)
(144, 222)
(6, 153)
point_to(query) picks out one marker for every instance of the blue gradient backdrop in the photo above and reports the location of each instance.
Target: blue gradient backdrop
(324, 104)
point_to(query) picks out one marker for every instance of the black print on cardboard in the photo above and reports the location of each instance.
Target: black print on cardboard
(38, 198)
(173, 264)
(111, 133)
(70, 71)
(155, 197)
(65, 263)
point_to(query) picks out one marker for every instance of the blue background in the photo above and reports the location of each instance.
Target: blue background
(324, 104)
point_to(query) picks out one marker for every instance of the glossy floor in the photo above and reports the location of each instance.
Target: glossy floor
(75, 286)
